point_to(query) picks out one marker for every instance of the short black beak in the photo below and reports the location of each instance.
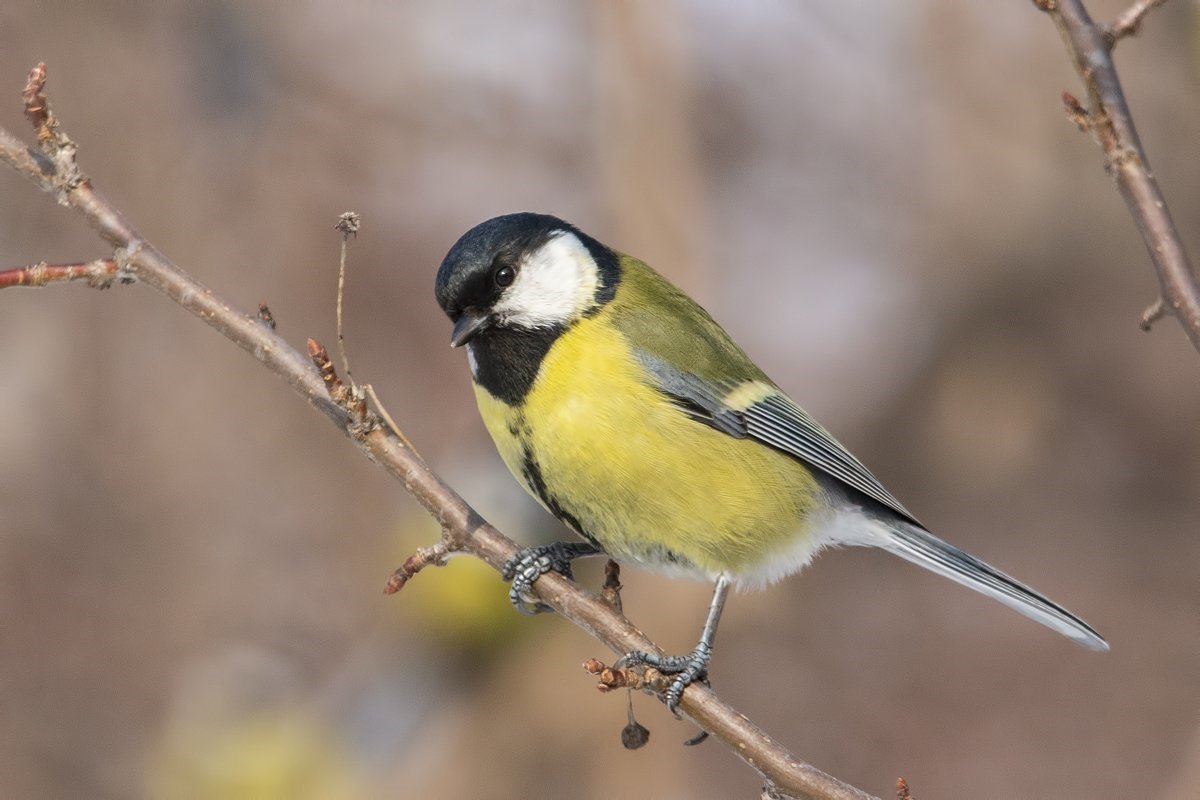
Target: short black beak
(468, 324)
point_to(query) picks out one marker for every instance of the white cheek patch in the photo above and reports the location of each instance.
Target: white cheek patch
(554, 285)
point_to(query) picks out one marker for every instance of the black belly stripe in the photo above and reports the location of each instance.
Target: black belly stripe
(532, 473)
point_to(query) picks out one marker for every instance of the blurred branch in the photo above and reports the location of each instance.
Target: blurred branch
(1108, 118)
(52, 168)
(1130, 21)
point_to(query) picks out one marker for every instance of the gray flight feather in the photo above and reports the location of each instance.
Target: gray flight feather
(778, 422)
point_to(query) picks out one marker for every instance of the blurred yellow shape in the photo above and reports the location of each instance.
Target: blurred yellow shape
(463, 605)
(275, 755)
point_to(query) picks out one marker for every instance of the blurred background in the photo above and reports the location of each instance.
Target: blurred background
(882, 202)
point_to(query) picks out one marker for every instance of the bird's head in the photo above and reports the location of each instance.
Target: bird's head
(524, 271)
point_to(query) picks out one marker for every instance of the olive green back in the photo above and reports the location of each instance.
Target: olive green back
(667, 324)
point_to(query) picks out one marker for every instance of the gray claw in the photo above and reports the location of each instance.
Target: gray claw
(686, 669)
(523, 569)
(527, 565)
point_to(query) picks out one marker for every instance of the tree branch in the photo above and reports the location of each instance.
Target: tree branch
(53, 169)
(1130, 21)
(99, 274)
(1111, 124)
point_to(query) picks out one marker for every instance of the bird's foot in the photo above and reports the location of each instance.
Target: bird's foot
(687, 670)
(531, 563)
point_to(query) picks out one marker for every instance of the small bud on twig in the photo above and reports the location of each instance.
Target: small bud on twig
(611, 593)
(1153, 313)
(1076, 112)
(37, 106)
(320, 359)
(52, 141)
(434, 555)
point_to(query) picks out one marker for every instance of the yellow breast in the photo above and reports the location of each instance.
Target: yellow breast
(611, 455)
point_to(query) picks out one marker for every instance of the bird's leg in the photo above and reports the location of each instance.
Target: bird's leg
(694, 665)
(529, 564)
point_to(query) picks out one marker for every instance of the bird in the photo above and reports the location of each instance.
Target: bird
(629, 414)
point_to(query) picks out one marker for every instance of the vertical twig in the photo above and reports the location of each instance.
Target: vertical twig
(1111, 125)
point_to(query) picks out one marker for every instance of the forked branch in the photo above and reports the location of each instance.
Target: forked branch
(1110, 122)
(52, 168)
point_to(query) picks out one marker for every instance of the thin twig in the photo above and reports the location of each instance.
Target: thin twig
(434, 555)
(99, 274)
(1153, 313)
(348, 225)
(1129, 21)
(634, 735)
(1111, 125)
(463, 528)
(382, 411)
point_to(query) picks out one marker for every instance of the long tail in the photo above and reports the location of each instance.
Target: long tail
(924, 549)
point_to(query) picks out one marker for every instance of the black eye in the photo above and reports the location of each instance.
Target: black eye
(504, 276)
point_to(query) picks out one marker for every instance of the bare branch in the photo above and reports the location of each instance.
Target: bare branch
(1129, 21)
(99, 274)
(1111, 124)
(463, 528)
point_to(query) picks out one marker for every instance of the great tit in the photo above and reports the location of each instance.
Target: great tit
(632, 417)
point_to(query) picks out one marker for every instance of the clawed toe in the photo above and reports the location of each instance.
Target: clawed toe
(687, 669)
(523, 569)
(531, 563)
